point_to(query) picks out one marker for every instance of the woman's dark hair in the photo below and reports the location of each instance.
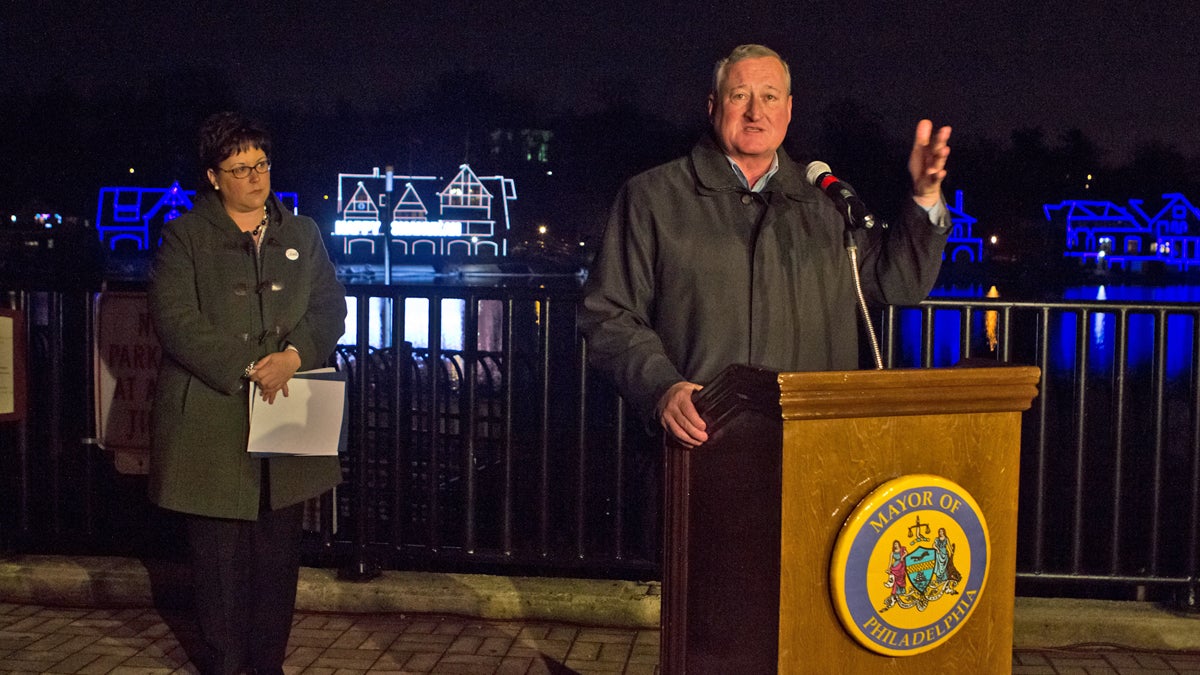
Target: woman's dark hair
(225, 134)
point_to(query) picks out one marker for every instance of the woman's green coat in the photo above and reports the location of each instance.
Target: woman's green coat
(216, 307)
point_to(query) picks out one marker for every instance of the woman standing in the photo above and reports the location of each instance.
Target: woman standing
(242, 291)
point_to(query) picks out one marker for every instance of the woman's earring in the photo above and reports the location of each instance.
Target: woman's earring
(216, 187)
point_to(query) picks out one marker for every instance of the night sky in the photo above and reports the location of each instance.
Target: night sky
(1121, 72)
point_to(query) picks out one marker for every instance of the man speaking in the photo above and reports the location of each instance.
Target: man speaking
(729, 255)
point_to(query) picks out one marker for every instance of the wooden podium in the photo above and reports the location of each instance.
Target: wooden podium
(753, 515)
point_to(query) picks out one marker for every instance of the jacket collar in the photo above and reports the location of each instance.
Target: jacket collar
(713, 173)
(208, 206)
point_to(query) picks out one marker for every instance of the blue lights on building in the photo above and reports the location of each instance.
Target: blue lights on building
(1111, 236)
(962, 245)
(131, 218)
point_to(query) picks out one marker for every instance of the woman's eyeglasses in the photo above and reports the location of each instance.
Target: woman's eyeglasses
(243, 171)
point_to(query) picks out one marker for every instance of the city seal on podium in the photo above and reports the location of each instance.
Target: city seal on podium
(910, 565)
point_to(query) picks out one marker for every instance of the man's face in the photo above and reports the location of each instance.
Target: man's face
(751, 112)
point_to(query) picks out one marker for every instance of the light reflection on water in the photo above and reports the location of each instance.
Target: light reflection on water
(450, 332)
(1110, 292)
(416, 322)
(1123, 293)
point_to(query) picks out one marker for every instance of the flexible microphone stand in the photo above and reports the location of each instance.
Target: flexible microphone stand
(856, 216)
(852, 253)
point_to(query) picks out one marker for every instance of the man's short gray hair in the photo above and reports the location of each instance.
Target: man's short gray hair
(748, 52)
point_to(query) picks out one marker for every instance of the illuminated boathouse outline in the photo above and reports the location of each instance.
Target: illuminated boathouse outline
(962, 245)
(132, 217)
(1111, 236)
(471, 219)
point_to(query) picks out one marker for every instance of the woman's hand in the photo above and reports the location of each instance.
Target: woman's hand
(273, 371)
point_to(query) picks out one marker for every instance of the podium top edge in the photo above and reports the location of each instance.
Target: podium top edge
(915, 391)
(867, 393)
(910, 377)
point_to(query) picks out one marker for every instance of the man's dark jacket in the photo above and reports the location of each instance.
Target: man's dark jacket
(696, 272)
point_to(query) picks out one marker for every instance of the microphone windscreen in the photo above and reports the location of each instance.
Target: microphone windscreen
(814, 171)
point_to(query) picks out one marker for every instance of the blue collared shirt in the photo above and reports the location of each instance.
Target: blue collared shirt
(762, 182)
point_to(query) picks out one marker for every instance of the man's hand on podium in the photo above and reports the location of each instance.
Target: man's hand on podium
(678, 415)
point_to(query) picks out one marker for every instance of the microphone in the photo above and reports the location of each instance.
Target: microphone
(855, 212)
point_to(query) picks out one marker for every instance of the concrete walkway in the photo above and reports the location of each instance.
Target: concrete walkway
(425, 622)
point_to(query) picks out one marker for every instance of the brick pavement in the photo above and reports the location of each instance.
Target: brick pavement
(1103, 660)
(36, 639)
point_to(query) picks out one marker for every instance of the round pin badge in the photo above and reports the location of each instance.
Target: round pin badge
(910, 565)
(292, 254)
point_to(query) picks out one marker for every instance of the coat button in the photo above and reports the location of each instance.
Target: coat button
(746, 199)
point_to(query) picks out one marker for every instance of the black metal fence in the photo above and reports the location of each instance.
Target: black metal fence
(480, 441)
(1110, 460)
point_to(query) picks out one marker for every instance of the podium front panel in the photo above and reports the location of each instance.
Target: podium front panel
(829, 466)
(752, 516)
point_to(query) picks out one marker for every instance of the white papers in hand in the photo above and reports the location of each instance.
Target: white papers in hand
(307, 422)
